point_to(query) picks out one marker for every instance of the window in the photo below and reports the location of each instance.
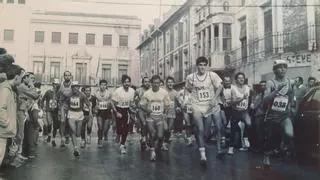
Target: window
(106, 72)
(123, 41)
(55, 70)
(56, 37)
(243, 2)
(226, 37)
(268, 38)
(167, 43)
(216, 37)
(175, 41)
(73, 38)
(38, 67)
(226, 6)
(81, 72)
(107, 40)
(10, 1)
(185, 31)
(8, 35)
(21, 1)
(90, 39)
(122, 69)
(39, 37)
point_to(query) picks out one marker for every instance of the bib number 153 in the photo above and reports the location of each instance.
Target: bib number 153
(203, 95)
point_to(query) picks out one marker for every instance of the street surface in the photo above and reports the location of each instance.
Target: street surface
(180, 163)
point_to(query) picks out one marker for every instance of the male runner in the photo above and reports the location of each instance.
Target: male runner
(122, 99)
(171, 116)
(240, 112)
(75, 114)
(104, 114)
(155, 103)
(279, 98)
(226, 109)
(64, 97)
(205, 87)
(143, 128)
(87, 123)
(51, 108)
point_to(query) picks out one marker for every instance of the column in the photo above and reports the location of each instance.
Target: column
(220, 37)
(200, 44)
(207, 42)
(212, 38)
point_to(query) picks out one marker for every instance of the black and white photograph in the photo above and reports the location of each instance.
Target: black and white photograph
(159, 89)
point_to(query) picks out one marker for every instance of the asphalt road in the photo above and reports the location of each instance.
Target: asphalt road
(179, 163)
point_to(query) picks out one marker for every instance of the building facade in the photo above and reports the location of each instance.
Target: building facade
(166, 48)
(275, 29)
(91, 46)
(247, 36)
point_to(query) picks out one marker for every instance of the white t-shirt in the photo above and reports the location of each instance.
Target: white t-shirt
(236, 93)
(156, 102)
(226, 97)
(202, 89)
(122, 97)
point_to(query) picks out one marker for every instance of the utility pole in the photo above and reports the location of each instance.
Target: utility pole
(254, 61)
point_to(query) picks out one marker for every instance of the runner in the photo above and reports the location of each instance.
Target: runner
(143, 128)
(279, 100)
(205, 87)
(171, 116)
(187, 114)
(87, 123)
(75, 114)
(51, 109)
(240, 113)
(226, 109)
(155, 103)
(64, 97)
(122, 99)
(104, 114)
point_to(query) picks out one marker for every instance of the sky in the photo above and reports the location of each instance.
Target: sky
(145, 12)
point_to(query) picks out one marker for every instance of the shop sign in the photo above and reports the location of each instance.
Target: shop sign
(298, 59)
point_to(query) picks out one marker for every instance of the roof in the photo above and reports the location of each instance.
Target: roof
(79, 14)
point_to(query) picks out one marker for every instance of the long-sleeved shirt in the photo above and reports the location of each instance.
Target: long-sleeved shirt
(8, 111)
(26, 96)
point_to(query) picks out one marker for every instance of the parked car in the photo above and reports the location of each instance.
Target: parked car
(307, 128)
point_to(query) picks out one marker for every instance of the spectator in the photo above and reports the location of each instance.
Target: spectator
(311, 82)
(8, 106)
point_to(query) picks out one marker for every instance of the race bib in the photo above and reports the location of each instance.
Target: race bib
(103, 105)
(280, 103)
(189, 109)
(124, 103)
(53, 104)
(243, 105)
(75, 102)
(203, 95)
(156, 108)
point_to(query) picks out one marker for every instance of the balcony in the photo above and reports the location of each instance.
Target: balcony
(302, 38)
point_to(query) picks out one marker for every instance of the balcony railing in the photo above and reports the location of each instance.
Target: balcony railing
(298, 39)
